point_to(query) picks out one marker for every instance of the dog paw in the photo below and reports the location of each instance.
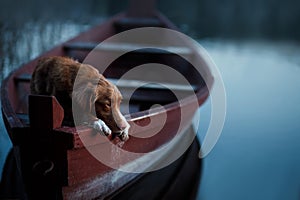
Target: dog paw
(101, 127)
(124, 135)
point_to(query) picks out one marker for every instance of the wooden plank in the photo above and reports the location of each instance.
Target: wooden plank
(133, 84)
(122, 83)
(45, 112)
(78, 169)
(23, 78)
(127, 47)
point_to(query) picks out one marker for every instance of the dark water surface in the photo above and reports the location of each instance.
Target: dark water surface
(258, 153)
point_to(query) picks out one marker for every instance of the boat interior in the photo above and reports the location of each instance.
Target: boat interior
(153, 85)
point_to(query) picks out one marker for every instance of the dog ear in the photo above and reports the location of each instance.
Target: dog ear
(85, 97)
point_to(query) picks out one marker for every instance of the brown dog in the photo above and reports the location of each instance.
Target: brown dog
(98, 100)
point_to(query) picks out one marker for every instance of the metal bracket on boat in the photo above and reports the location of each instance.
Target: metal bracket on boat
(43, 167)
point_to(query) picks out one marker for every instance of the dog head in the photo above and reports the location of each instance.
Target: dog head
(107, 106)
(96, 95)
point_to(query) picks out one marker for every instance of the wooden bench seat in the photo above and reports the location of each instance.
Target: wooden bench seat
(22, 78)
(127, 47)
(129, 84)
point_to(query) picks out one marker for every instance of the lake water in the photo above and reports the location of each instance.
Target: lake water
(257, 155)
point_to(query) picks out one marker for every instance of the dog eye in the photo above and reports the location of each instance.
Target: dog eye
(108, 104)
(107, 107)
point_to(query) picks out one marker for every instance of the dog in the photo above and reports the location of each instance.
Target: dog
(98, 100)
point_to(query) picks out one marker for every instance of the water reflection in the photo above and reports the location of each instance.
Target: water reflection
(33, 26)
(33, 38)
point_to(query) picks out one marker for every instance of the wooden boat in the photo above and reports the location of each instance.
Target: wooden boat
(56, 162)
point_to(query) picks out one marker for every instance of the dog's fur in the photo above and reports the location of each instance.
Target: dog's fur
(98, 99)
